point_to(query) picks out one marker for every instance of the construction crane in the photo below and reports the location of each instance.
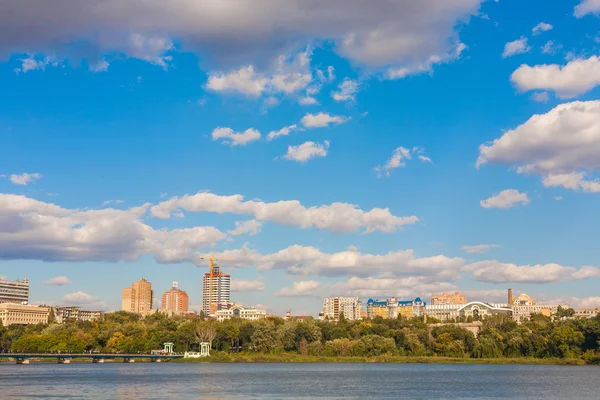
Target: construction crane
(211, 266)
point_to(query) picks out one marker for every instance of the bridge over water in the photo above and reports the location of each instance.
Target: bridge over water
(96, 358)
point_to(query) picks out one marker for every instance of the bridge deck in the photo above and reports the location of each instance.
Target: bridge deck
(87, 355)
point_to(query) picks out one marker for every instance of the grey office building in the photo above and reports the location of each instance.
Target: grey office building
(14, 291)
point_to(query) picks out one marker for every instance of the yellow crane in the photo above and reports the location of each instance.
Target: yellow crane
(211, 269)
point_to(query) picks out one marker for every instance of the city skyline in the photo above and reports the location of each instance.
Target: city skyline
(397, 151)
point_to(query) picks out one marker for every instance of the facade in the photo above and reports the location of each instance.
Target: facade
(175, 300)
(524, 300)
(523, 313)
(290, 317)
(448, 298)
(334, 307)
(239, 311)
(220, 292)
(16, 292)
(475, 309)
(586, 312)
(63, 313)
(138, 298)
(22, 314)
(392, 308)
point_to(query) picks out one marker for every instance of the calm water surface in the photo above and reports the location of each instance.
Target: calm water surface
(288, 381)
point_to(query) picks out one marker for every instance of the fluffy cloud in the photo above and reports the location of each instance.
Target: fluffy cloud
(346, 90)
(287, 76)
(518, 46)
(107, 202)
(25, 179)
(579, 302)
(479, 248)
(541, 27)
(587, 7)
(302, 288)
(58, 281)
(32, 63)
(505, 199)
(377, 287)
(497, 272)
(337, 217)
(251, 227)
(322, 120)
(427, 65)
(398, 33)
(573, 79)
(35, 230)
(540, 97)
(307, 260)
(307, 150)
(83, 299)
(551, 48)
(282, 132)
(238, 285)
(562, 146)
(228, 136)
(399, 157)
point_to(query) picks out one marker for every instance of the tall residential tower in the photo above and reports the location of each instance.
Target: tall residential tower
(138, 298)
(216, 291)
(175, 300)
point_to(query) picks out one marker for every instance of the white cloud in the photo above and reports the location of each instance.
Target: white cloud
(424, 158)
(100, 66)
(282, 132)
(579, 302)
(541, 27)
(587, 7)
(31, 64)
(35, 230)
(397, 33)
(228, 136)
(505, 199)
(558, 198)
(518, 46)
(287, 76)
(496, 272)
(322, 120)
(575, 78)
(398, 159)
(427, 65)
(540, 97)
(346, 90)
(479, 248)
(25, 179)
(337, 217)
(307, 261)
(307, 150)
(251, 227)
(562, 146)
(307, 101)
(58, 281)
(239, 285)
(107, 202)
(302, 288)
(329, 77)
(86, 301)
(551, 48)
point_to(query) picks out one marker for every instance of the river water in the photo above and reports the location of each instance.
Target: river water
(288, 381)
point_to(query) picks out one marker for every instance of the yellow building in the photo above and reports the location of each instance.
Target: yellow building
(23, 314)
(138, 298)
(391, 308)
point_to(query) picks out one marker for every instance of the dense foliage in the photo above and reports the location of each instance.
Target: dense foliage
(542, 337)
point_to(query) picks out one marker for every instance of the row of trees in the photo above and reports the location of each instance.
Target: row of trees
(500, 337)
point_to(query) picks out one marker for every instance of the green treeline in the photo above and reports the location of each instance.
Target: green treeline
(500, 338)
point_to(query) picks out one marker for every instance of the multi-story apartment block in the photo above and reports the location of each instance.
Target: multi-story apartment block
(175, 300)
(448, 298)
(334, 307)
(22, 314)
(16, 292)
(138, 298)
(392, 308)
(216, 291)
(74, 312)
(239, 311)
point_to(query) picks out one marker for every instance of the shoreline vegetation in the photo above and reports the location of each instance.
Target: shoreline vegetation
(558, 340)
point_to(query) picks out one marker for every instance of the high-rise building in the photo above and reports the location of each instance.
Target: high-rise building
(16, 292)
(138, 298)
(448, 298)
(216, 292)
(334, 307)
(175, 300)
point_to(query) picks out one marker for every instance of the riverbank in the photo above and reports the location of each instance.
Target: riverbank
(296, 358)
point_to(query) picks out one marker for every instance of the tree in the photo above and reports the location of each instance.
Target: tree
(206, 332)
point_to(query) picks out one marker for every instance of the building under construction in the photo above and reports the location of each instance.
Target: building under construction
(216, 290)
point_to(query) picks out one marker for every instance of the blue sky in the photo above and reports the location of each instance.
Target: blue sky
(125, 104)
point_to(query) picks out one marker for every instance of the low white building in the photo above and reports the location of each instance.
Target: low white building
(474, 309)
(76, 313)
(523, 313)
(239, 311)
(21, 314)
